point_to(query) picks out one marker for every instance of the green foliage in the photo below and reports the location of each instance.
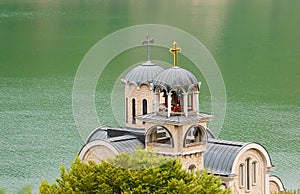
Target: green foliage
(132, 173)
(139, 160)
(291, 192)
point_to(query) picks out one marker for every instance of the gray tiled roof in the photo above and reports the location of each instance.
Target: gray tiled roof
(143, 73)
(179, 120)
(122, 143)
(126, 143)
(176, 76)
(103, 132)
(220, 155)
(99, 133)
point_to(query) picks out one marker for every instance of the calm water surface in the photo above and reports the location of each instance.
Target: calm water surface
(255, 43)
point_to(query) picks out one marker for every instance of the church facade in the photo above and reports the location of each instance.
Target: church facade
(162, 114)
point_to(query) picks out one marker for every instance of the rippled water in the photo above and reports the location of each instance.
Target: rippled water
(42, 43)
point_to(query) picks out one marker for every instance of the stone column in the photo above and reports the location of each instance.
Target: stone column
(196, 101)
(267, 183)
(185, 104)
(169, 104)
(155, 107)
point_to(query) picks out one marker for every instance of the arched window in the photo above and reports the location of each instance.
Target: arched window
(162, 99)
(241, 169)
(248, 174)
(192, 169)
(126, 110)
(144, 106)
(133, 112)
(159, 135)
(223, 186)
(176, 100)
(193, 136)
(254, 172)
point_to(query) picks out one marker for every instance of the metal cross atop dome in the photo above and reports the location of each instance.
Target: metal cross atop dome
(175, 50)
(147, 42)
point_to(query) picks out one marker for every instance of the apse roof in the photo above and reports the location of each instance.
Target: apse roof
(125, 143)
(110, 132)
(220, 155)
(99, 133)
(127, 140)
(144, 73)
(176, 77)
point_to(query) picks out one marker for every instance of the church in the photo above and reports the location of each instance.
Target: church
(162, 114)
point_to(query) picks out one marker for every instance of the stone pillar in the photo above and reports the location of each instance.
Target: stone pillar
(196, 101)
(169, 104)
(185, 104)
(155, 107)
(267, 183)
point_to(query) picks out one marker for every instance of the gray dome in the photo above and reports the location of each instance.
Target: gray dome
(143, 73)
(176, 77)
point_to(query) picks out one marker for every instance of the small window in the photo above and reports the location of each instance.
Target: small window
(241, 168)
(133, 112)
(254, 172)
(248, 174)
(126, 111)
(192, 169)
(223, 186)
(144, 106)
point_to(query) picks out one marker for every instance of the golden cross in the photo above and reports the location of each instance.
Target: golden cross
(175, 50)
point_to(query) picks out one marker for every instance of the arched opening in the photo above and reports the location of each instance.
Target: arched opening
(159, 135)
(194, 136)
(192, 169)
(254, 172)
(248, 174)
(191, 97)
(161, 99)
(144, 106)
(241, 172)
(126, 110)
(177, 100)
(223, 186)
(133, 112)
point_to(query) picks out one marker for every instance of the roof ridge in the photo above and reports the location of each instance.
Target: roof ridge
(228, 142)
(121, 138)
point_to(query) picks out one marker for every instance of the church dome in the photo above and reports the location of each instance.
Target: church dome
(176, 77)
(144, 73)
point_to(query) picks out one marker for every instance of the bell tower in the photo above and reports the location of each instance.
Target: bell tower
(138, 89)
(176, 127)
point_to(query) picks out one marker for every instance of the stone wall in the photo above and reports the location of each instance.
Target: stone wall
(255, 182)
(139, 94)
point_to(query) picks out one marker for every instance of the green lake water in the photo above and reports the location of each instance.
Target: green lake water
(255, 43)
